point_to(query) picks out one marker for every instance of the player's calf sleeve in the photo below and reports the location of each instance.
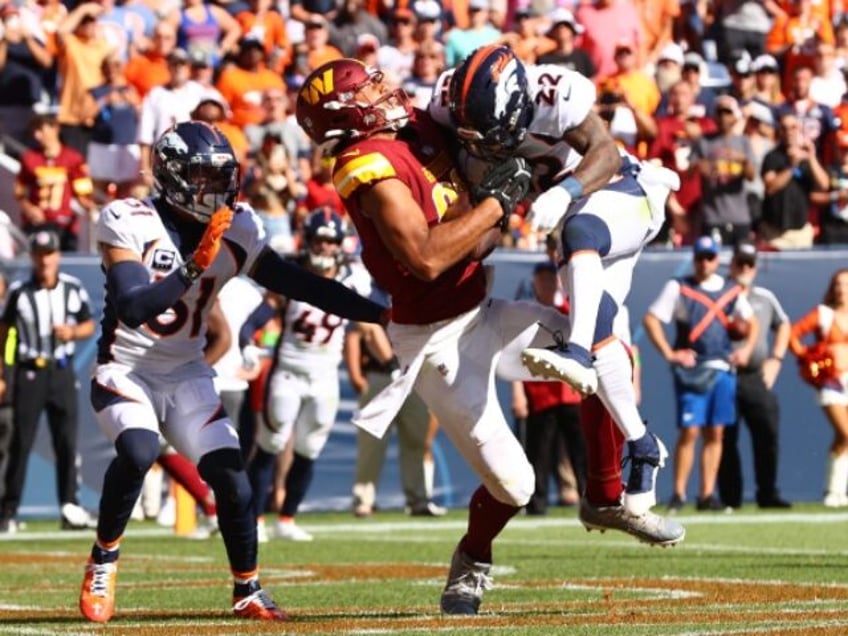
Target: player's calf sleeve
(615, 388)
(187, 476)
(260, 472)
(604, 445)
(607, 310)
(136, 449)
(297, 483)
(486, 518)
(223, 470)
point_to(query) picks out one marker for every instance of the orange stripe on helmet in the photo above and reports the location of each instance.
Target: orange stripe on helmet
(474, 63)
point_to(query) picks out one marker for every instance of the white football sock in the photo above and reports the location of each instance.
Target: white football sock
(585, 273)
(615, 388)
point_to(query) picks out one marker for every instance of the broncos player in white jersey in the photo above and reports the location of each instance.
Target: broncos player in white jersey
(302, 396)
(165, 259)
(604, 204)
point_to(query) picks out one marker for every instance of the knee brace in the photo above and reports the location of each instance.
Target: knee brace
(137, 450)
(223, 470)
(585, 232)
(607, 311)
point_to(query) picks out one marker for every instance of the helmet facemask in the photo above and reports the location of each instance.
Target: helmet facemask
(320, 258)
(390, 111)
(195, 170)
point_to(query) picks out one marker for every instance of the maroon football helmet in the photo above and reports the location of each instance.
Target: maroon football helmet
(330, 107)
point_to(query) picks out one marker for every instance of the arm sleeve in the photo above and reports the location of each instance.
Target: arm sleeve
(137, 300)
(256, 320)
(282, 277)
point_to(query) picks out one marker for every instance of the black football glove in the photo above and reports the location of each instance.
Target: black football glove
(508, 181)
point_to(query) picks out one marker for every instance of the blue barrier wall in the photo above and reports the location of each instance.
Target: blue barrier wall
(798, 278)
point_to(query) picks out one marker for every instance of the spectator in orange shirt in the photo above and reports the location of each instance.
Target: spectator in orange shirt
(243, 83)
(81, 54)
(267, 25)
(639, 90)
(656, 18)
(150, 68)
(316, 39)
(793, 36)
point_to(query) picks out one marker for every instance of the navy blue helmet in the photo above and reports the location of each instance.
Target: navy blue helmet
(323, 233)
(489, 102)
(195, 169)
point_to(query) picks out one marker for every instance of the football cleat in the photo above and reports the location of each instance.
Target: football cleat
(258, 606)
(647, 527)
(647, 456)
(261, 531)
(97, 596)
(676, 504)
(835, 500)
(570, 363)
(290, 531)
(467, 580)
(426, 509)
(75, 517)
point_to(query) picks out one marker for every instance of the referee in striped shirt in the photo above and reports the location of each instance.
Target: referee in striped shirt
(49, 311)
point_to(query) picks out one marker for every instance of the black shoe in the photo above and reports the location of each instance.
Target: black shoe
(711, 504)
(774, 502)
(676, 504)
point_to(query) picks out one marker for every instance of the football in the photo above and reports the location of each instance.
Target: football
(738, 328)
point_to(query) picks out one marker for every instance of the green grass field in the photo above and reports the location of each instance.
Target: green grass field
(742, 573)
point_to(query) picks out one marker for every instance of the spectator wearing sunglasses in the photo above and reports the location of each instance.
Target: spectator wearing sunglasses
(725, 161)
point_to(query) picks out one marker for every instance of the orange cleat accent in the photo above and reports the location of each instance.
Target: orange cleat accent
(258, 606)
(97, 596)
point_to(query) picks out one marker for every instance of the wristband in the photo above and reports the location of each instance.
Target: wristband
(190, 270)
(572, 186)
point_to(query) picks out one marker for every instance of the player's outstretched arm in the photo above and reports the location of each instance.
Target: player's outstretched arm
(136, 299)
(292, 281)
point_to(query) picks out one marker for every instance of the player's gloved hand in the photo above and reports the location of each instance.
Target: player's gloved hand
(548, 208)
(210, 243)
(507, 181)
(250, 356)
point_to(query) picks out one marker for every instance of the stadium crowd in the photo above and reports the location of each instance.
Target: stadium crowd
(742, 98)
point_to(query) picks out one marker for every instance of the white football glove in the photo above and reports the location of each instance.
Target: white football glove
(250, 356)
(548, 208)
